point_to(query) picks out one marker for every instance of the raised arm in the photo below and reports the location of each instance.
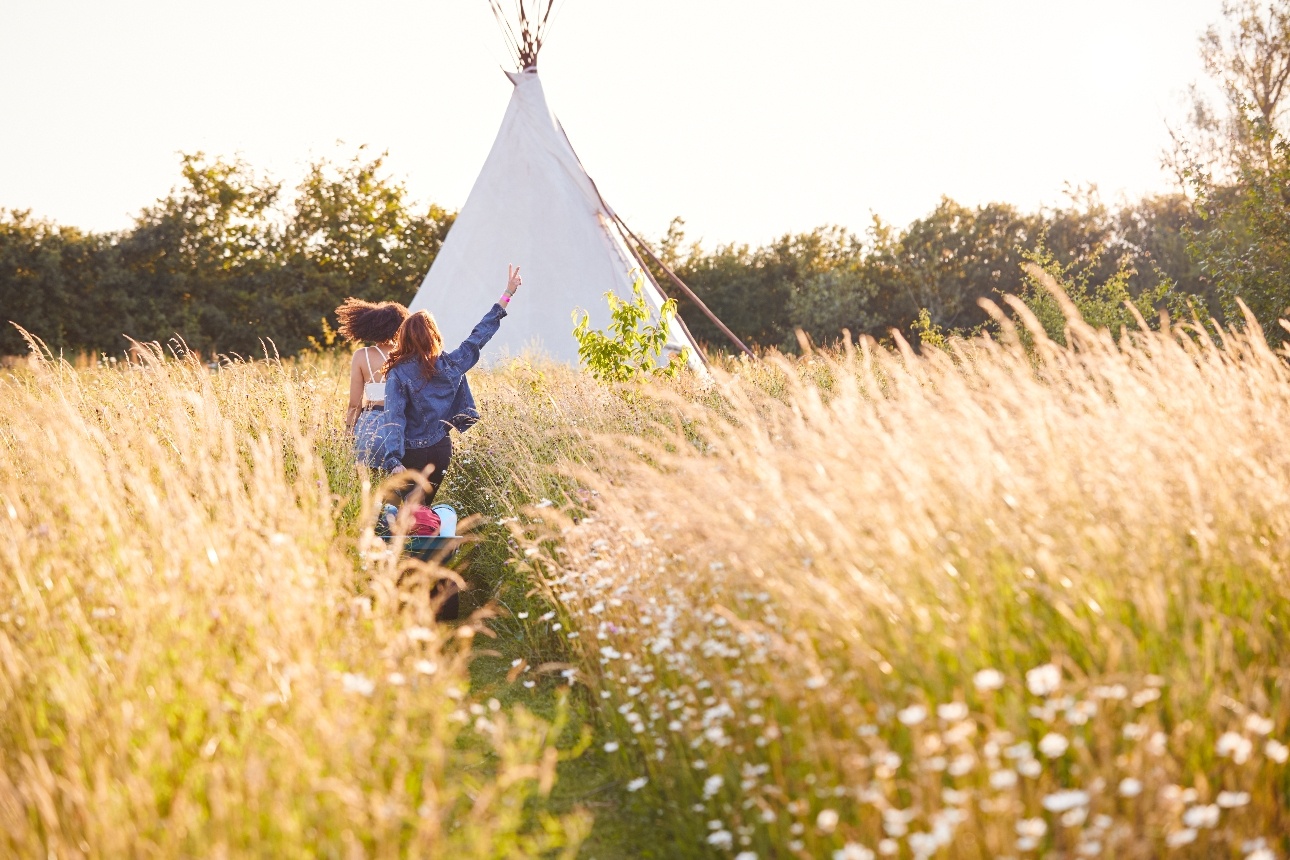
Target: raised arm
(466, 356)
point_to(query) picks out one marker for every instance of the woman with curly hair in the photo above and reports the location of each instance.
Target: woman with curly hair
(376, 324)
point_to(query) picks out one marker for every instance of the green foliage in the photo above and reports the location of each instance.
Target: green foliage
(829, 280)
(223, 262)
(1107, 304)
(632, 346)
(1236, 162)
(929, 333)
(1244, 236)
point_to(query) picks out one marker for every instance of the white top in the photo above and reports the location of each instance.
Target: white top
(374, 391)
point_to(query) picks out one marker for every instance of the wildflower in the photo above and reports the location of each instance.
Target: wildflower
(358, 684)
(1033, 828)
(988, 679)
(712, 785)
(1053, 745)
(952, 711)
(1043, 680)
(1277, 751)
(1002, 779)
(923, 844)
(1201, 816)
(1179, 838)
(425, 667)
(1114, 691)
(396, 678)
(1232, 799)
(1061, 801)
(720, 839)
(826, 821)
(887, 848)
(419, 634)
(1236, 746)
(611, 747)
(637, 784)
(1258, 725)
(1144, 697)
(1260, 854)
(913, 715)
(1030, 768)
(1134, 731)
(954, 798)
(746, 855)
(1130, 787)
(854, 851)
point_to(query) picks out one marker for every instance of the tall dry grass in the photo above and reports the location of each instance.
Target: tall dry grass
(999, 601)
(202, 654)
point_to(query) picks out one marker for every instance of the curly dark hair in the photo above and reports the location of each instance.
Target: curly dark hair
(373, 322)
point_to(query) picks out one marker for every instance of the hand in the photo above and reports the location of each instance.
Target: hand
(512, 279)
(397, 469)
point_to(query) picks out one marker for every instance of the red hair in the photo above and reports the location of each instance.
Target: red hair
(418, 339)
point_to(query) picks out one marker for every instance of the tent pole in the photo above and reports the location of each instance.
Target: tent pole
(681, 284)
(622, 225)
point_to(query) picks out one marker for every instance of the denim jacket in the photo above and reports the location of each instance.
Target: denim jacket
(419, 412)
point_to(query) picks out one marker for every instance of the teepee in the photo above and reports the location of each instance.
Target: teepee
(534, 206)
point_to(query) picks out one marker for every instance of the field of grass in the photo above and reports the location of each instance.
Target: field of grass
(1000, 601)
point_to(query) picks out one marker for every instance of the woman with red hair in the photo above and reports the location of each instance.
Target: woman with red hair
(426, 393)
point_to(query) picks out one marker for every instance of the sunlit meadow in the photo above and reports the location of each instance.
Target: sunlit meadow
(1001, 601)
(996, 601)
(201, 655)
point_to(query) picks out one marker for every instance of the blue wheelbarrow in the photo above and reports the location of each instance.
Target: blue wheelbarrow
(438, 549)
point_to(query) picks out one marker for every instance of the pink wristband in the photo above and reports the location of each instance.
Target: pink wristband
(504, 300)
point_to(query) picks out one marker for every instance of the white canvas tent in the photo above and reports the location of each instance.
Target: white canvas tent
(534, 206)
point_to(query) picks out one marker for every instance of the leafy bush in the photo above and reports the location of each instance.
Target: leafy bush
(632, 346)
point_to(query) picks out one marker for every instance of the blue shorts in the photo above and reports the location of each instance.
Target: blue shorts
(372, 438)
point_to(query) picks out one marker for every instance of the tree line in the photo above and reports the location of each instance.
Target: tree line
(226, 262)
(229, 259)
(933, 272)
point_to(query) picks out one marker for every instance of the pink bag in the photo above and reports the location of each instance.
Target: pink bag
(425, 522)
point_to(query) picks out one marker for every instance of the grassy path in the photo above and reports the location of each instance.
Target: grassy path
(625, 825)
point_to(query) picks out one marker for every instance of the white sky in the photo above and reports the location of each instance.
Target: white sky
(749, 118)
